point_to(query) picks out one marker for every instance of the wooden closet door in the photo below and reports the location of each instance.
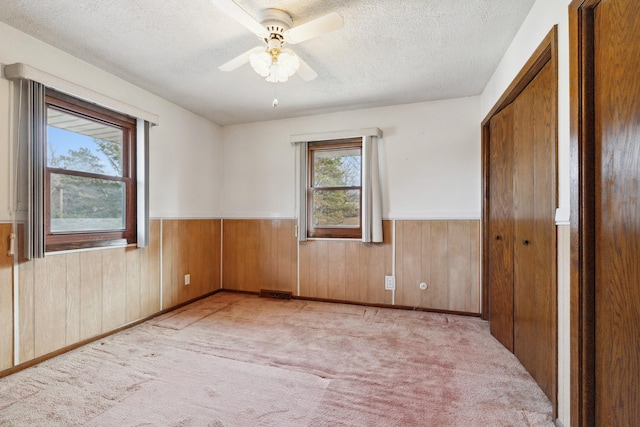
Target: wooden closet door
(617, 234)
(501, 227)
(534, 199)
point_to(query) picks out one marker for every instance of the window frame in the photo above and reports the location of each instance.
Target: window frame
(332, 232)
(58, 241)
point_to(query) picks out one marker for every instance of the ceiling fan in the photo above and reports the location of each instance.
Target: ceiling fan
(272, 60)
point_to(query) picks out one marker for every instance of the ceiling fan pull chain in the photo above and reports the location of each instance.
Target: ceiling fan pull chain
(275, 95)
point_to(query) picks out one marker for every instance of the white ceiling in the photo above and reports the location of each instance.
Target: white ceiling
(389, 52)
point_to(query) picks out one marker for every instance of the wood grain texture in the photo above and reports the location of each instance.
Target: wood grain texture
(500, 238)
(50, 302)
(445, 256)
(26, 324)
(346, 270)
(151, 261)
(169, 230)
(73, 301)
(67, 298)
(6, 299)
(617, 212)
(114, 289)
(260, 254)
(535, 304)
(439, 264)
(582, 213)
(91, 275)
(525, 327)
(189, 247)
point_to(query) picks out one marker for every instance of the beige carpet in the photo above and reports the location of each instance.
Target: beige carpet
(238, 360)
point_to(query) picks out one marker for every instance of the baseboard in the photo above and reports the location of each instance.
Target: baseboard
(79, 344)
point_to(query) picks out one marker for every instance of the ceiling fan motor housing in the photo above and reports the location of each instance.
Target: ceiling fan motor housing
(276, 22)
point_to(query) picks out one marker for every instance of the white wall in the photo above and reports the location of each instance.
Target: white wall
(185, 149)
(430, 160)
(543, 16)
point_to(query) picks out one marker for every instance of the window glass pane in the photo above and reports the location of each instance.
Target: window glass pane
(78, 144)
(336, 208)
(337, 168)
(86, 204)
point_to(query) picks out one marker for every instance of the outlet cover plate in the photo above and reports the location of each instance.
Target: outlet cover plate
(187, 279)
(389, 283)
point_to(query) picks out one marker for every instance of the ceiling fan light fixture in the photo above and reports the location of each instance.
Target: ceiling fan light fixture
(261, 62)
(275, 65)
(289, 61)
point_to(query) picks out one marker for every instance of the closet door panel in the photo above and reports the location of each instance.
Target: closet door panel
(544, 234)
(534, 230)
(501, 226)
(524, 328)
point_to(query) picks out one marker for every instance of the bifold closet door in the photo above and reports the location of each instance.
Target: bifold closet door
(534, 201)
(501, 226)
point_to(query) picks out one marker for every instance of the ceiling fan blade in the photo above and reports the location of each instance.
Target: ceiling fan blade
(240, 60)
(241, 16)
(315, 28)
(305, 72)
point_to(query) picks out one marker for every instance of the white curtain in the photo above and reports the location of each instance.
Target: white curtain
(142, 176)
(371, 190)
(371, 197)
(301, 180)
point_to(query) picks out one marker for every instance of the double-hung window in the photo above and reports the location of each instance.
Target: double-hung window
(334, 189)
(338, 185)
(90, 175)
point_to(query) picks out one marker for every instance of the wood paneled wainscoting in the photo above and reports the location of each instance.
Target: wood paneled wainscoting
(445, 255)
(263, 254)
(68, 298)
(189, 246)
(347, 270)
(6, 299)
(259, 254)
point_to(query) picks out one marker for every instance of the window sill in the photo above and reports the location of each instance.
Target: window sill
(335, 239)
(98, 248)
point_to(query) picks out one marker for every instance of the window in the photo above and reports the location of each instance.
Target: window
(90, 175)
(334, 189)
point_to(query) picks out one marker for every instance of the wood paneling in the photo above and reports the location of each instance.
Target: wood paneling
(49, 306)
(114, 289)
(346, 270)
(91, 294)
(260, 254)
(617, 212)
(74, 302)
(189, 247)
(501, 227)
(442, 254)
(26, 326)
(66, 298)
(6, 299)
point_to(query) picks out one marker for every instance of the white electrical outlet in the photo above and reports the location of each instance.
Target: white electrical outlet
(187, 279)
(389, 283)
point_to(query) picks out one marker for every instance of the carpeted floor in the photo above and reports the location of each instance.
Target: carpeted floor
(238, 360)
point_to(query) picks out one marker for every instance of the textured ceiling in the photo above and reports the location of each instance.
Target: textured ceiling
(389, 51)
